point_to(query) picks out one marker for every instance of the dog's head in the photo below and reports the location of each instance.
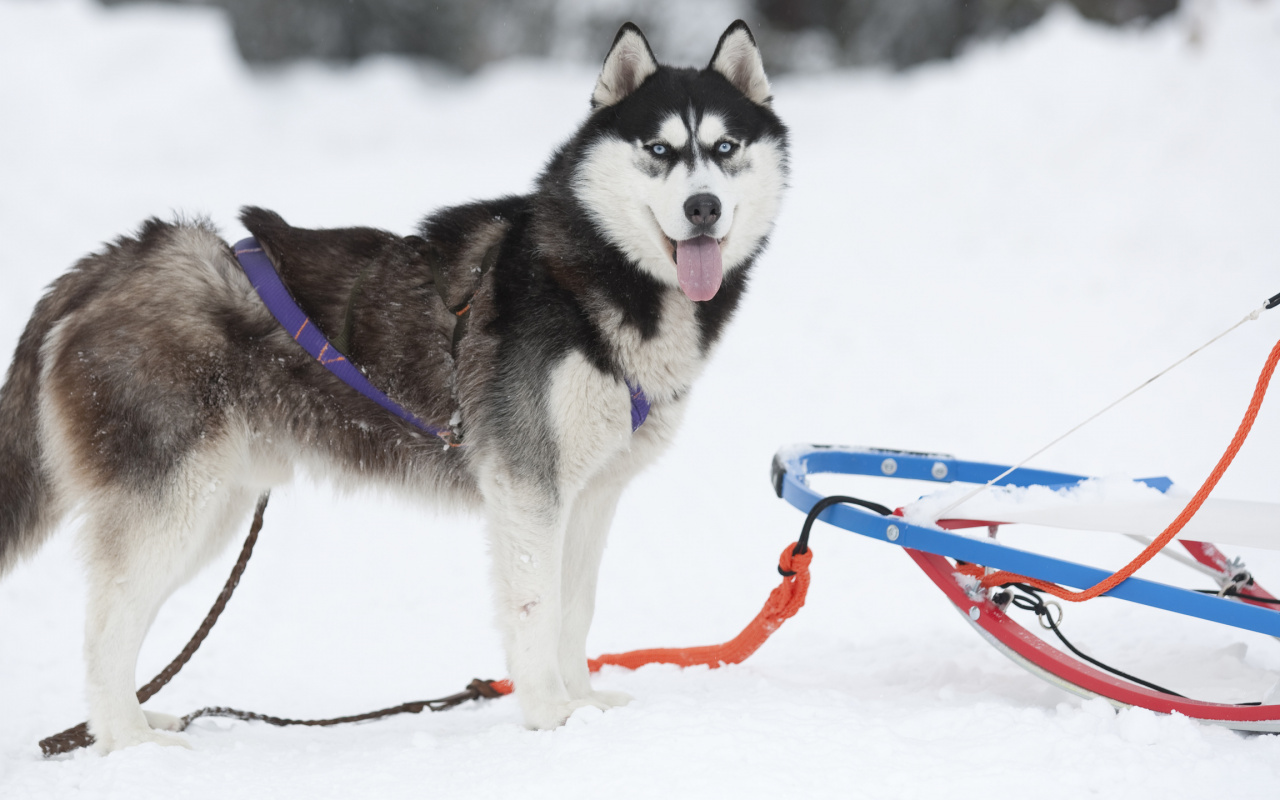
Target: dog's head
(683, 169)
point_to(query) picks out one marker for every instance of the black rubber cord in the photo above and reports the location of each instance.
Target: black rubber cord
(1233, 593)
(802, 544)
(1031, 601)
(1042, 609)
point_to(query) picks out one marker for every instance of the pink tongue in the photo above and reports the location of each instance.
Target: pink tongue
(698, 267)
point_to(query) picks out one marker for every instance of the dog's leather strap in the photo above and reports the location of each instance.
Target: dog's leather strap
(79, 736)
(462, 308)
(783, 602)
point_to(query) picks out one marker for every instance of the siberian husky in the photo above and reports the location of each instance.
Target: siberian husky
(153, 393)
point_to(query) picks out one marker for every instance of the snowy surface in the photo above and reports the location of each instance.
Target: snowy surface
(973, 257)
(1111, 503)
(959, 501)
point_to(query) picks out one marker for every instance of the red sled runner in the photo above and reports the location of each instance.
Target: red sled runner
(983, 577)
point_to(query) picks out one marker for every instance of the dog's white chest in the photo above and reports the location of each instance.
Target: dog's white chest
(666, 364)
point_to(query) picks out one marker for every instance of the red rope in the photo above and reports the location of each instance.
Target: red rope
(784, 601)
(1109, 583)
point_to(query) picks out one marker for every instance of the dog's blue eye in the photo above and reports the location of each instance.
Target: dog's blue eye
(658, 149)
(724, 148)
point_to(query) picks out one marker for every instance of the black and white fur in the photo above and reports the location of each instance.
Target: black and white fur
(153, 394)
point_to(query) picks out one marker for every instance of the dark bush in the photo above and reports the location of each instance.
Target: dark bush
(795, 33)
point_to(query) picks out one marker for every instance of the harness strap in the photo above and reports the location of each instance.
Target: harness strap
(461, 309)
(266, 282)
(276, 297)
(639, 405)
(343, 340)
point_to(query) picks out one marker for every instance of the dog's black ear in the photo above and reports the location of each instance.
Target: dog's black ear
(737, 58)
(629, 62)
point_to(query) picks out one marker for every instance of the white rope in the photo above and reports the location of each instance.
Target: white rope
(977, 490)
(1217, 575)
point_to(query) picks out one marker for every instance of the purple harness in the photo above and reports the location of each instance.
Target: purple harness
(639, 405)
(266, 282)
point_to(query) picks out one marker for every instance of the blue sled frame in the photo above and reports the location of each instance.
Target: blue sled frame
(792, 466)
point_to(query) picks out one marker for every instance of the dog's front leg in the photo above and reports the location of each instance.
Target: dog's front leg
(585, 539)
(526, 529)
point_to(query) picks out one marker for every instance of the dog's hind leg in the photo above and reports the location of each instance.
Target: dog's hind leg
(136, 556)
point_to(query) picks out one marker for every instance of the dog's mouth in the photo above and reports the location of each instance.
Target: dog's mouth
(699, 263)
(699, 266)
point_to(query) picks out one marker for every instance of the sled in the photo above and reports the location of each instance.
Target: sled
(950, 557)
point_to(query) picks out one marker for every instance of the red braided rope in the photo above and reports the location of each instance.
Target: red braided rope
(1109, 583)
(784, 601)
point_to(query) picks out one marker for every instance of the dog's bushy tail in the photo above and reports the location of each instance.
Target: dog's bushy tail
(26, 494)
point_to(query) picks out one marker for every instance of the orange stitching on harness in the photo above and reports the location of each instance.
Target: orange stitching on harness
(302, 328)
(324, 350)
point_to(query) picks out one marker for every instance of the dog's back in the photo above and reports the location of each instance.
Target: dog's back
(156, 394)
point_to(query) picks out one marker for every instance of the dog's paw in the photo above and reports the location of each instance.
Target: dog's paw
(163, 722)
(554, 715)
(606, 700)
(549, 716)
(119, 740)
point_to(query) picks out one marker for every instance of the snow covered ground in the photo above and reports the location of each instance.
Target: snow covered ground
(973, 257)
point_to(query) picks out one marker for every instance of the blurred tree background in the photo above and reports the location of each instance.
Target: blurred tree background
(800, 35)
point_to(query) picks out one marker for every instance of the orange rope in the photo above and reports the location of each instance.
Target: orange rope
(784, 601)
(1109, 583)
(789, 596)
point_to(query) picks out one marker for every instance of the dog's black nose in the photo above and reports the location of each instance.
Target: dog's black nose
(702, 209)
